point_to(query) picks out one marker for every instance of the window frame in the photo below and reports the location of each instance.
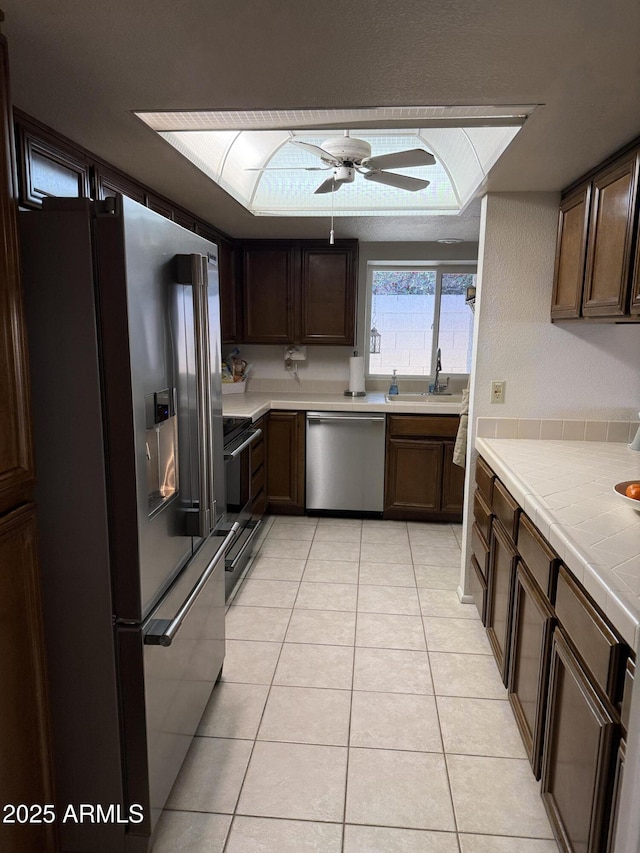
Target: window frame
(440, 268)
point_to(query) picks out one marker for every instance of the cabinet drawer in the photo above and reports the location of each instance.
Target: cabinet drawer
(506, 509)
(484, 479)
(600, 648)
(540, 559)
(422, 425)
(482, 514)
(479, 589)
(480, 550)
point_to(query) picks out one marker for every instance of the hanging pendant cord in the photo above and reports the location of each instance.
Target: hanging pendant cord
(333, 190)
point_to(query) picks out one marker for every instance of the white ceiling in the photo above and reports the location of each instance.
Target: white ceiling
(82, 68)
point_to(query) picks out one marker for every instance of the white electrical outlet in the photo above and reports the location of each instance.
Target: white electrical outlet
(497, 391)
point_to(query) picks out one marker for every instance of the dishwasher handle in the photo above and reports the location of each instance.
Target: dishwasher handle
(317, 419)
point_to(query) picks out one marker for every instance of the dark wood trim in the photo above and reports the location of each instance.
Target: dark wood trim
(16, 454)
(27, 127)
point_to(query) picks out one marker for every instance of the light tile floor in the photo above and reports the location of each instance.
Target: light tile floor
(360, 709)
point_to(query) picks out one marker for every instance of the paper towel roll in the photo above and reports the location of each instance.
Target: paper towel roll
(356, 373)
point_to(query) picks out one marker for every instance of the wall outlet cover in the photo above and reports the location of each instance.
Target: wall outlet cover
(498, 390)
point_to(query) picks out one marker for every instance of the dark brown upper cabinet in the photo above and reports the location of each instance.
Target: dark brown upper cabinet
(634, 308)
(268, 289)
(609, 245)
(230, 307)
(301, 292)
(327, 295)
(571, 254)
(595, 276)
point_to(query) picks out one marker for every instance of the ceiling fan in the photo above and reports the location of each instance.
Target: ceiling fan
(346, 156)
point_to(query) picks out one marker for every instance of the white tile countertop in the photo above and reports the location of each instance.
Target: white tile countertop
(254, 404)
(566, 489)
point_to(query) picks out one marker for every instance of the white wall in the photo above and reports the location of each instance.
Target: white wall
(551, 370)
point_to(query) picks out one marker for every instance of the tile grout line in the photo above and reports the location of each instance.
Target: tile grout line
(435, 702)
(255, 739)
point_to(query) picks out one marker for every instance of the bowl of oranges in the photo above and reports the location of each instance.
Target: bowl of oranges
(629, 492)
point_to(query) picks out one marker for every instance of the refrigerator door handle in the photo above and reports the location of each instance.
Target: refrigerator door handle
(192, 269)
(161, 632)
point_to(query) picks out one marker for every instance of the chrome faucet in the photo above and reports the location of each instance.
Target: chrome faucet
(436, 388)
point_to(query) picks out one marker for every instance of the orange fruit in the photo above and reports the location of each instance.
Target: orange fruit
(633, 491)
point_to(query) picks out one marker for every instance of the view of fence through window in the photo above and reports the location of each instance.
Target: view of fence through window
(404, 313)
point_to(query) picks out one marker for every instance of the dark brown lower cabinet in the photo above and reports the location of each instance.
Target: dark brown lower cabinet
(286, 459)
(421, 481)
(532, 626)
(24, 734)
(413, 477)
(502, 569)
(580, 748)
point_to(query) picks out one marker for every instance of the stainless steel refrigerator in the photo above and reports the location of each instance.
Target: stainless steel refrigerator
(123, 326)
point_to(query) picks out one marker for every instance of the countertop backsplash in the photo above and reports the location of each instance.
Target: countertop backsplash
(557, 430)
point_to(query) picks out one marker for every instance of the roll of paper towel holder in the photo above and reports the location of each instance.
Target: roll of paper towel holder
(356, 377)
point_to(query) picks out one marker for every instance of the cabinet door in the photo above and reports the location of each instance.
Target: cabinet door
(327, 295)
(635, 285)
(580, 744)
(502, 569)
(24, 736)
(229, 296)
(413, 478)
(452, 483)
(529, 667)
(269, 311)
(606, 291)
(286, 460)
(571, 253)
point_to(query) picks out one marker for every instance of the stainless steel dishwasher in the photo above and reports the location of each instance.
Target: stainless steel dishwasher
(345, 461)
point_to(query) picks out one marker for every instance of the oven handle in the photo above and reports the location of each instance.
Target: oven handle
(253, 437)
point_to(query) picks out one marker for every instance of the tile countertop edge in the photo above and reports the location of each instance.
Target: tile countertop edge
(256, 404)
(619, 606)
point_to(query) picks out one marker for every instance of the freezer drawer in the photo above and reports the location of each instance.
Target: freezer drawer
(345, 461)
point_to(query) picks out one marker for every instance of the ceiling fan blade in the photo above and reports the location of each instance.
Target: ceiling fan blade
(402, 182)
(287, 168)
(316, 150)
(400, 159)
(329, 186)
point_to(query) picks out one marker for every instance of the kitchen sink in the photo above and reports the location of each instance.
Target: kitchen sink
(423, 397)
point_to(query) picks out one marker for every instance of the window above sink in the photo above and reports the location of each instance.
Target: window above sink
(412, 310)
